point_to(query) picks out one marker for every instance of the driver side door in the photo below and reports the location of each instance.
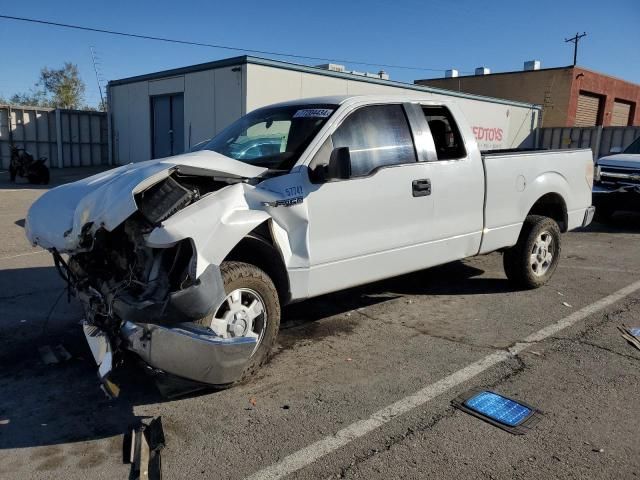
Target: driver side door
(368, 226)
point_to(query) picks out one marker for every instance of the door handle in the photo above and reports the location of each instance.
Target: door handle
(421, 187)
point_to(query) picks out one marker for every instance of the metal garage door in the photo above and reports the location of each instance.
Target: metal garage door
(620, 114)
(588, 111)
(168, 125)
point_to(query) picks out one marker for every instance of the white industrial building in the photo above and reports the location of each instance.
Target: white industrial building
(168, 112)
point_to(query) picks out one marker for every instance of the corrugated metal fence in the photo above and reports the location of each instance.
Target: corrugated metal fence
(601, 140)
(67, 138)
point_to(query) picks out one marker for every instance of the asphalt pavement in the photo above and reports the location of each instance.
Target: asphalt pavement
(361, 382)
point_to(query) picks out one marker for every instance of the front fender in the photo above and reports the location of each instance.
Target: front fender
(215, 224)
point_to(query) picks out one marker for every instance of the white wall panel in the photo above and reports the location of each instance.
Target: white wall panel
(166, 86)
(199, 107)
(228, 96)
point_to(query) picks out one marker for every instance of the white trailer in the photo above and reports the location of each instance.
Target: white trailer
(167, 113)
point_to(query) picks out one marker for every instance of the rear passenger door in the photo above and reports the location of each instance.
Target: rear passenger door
(365, 228)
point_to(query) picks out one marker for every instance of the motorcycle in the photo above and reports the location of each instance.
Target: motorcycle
(24, 165)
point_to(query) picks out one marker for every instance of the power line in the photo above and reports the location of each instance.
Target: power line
(211, 45)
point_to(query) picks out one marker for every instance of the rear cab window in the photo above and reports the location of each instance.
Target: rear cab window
(445, 133)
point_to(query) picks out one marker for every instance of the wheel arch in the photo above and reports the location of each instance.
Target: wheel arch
(554, 206)
(259, 248)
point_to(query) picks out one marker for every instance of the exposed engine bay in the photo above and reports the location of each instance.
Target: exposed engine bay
(150, 300)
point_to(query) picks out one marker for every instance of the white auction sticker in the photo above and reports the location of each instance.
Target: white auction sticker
(313, 113)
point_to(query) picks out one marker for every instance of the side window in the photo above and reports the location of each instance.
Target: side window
(446, 136)
(378, 135)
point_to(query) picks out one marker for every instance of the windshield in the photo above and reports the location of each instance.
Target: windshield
(634, 147)
(272, 137)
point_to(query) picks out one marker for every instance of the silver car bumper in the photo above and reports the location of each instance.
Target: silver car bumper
(189, 351)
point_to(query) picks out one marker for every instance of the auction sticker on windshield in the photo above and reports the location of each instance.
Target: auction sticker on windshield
(313, 113)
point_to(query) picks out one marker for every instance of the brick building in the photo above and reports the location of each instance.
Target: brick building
(570, 96)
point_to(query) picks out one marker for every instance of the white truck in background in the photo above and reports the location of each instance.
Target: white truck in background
(186, 261)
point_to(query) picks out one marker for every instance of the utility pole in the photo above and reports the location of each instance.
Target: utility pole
(575, 41)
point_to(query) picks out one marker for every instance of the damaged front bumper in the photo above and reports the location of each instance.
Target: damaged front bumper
(189, 351)
(164, 336)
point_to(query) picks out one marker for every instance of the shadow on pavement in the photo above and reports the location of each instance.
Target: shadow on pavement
(620, 222)
(61, 403)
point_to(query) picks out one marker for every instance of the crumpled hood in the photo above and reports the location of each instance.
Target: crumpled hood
(106, 200)
(623, 160)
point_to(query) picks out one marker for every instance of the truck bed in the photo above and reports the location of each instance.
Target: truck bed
(515, 180)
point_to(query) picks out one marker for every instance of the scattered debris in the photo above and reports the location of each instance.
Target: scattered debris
(61, 353)
(51, 356)
(513, 416)
(567, 304)
(142, 448)
(253, 401)
(4, 421)
(631, 335)
(533, 352)
(47, 355)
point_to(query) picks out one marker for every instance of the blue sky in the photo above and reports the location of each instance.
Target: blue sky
(439, 34)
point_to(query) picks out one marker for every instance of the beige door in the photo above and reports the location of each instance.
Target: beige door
(588, 111)
(620, 114)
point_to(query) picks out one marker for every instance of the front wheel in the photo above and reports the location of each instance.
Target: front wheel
(531, 262)
(251, 308)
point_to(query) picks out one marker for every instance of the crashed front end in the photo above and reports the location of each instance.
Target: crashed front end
(148, 299)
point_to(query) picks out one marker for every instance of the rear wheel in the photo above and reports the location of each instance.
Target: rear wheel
(532, 261)
(251, 308)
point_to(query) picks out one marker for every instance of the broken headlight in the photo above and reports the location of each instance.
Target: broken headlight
(164, 199)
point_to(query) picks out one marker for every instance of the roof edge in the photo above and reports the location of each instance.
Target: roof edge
(246, 59)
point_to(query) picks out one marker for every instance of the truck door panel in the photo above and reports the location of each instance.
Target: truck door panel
(360, 228)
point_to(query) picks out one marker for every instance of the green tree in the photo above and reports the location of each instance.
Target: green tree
(63, 87)
(56, 88)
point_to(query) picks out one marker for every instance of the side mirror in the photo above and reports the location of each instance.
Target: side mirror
(339, 167)
(615, 150)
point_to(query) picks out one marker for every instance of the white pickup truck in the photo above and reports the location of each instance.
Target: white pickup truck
(187, 260)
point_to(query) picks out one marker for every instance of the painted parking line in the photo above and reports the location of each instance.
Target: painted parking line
(331, 443)
(23, 254)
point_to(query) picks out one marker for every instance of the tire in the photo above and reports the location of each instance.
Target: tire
(252, 280)
(519, 264)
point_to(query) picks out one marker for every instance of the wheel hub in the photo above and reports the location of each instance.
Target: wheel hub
(542, 254)
(241, 314)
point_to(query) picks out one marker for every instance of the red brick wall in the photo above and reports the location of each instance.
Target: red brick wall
(609, 87)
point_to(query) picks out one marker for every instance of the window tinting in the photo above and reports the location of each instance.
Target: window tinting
(634, 147)
(446, 135)
(376, 136)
